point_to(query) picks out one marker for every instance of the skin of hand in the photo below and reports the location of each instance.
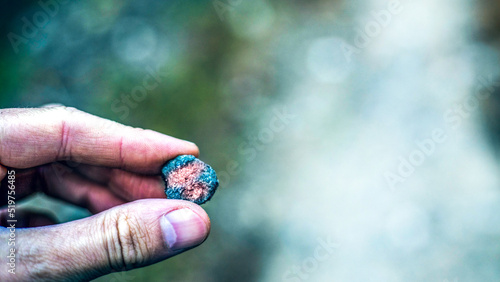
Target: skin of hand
(106, 167)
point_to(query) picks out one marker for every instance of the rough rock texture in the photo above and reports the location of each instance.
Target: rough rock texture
(188, 178)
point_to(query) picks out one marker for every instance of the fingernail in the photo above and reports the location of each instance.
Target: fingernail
(190, 146)
(182, 229)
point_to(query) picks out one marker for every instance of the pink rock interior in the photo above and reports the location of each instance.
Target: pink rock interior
(188, 178)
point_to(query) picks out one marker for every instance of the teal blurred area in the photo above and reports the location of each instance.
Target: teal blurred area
(177, 67)
(315, 114)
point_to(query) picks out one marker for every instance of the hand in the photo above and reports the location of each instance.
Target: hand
(105, 167)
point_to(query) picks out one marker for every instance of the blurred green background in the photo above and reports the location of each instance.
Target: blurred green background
(91, 54)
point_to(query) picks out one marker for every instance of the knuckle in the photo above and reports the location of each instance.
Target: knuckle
(70, 110)
(127, 240)
(62, 111)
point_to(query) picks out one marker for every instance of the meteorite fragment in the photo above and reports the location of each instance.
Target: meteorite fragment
(188, 178)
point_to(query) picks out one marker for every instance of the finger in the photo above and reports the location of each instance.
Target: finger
(23, 182)
(3, 172)
(64, 183)
(126, 237)
(52, 105)
(32, 137)
(26, 218)
(98, 174)
(128, 185)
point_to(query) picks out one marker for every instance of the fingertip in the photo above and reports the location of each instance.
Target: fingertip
(202, 214)
(164, 206)
(184, 147)
(163, 148)
(192, 148)
(159, 208)
(184, 228)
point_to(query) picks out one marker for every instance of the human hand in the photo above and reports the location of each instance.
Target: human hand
(116, 178)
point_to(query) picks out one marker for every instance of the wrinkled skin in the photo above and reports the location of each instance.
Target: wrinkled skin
(108, 168)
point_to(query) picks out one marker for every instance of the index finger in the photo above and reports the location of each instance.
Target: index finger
(36, 136)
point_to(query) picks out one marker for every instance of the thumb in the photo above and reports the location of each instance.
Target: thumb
(122, 238)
